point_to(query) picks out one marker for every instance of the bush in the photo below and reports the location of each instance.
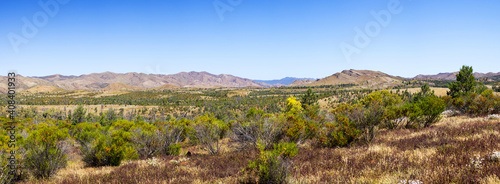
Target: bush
(103, 151)
(273, 166)
(208, 131)
(264, 130)
(426, 111)
(477, 105)
(104, 148)
(297, 127)
(496, 88)
(4, 172)
(339, 134)
(46, 150)
(366, 116)
(172, 135)
(146, 142)
(149, 140)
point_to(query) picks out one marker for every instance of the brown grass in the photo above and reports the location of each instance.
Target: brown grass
(438, 154)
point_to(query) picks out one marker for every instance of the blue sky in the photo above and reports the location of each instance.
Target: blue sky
(257, 39)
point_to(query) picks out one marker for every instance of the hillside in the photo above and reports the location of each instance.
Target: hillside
(121, 87)
(452, 76)
(205, 79)
(363, 78)
(284, 81)
(43, 89)
(24, 83)
(303, 82)
(132, 80)
(166, 87)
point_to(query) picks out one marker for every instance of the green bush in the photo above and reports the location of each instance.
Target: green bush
(148, 140)
(298, 128)
(146, 143)
(103, 151)
(174, 149)
(426, 111)
(273, 166)
(477, 105)
(266, 130)
(208, 130)
(339, 134)
(46, 150)
(496, 88)
(101, 147)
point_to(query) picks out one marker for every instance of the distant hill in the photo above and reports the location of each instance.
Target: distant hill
(302, 82)
(363, 78)
(121, 87)
(166, 87)
(44, 89)
(205, 79)
(282, 82)
(109, 81)
(452, 76)
(134, 81)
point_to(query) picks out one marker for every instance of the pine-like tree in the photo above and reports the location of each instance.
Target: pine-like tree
(309, 98)
(466, 82)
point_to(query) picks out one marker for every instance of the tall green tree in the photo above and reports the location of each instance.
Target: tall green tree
(78, 115)
(466, 82)
(308, 98)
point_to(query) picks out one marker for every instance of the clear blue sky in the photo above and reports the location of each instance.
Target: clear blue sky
(258, 39)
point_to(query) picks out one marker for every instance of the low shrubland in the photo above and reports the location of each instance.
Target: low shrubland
(380, 137)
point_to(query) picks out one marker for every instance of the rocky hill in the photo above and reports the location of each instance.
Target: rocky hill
(121, 87)
(363, 78)
(284, 81)
(452, 75)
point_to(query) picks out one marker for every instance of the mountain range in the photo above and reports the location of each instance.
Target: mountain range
(452, 76)
(109, 81)
(282, 82)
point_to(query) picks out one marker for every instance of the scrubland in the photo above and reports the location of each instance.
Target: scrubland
(443, 153)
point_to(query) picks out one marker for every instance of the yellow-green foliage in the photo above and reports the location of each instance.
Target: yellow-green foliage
(293, 106)
(208, 130)
(341, 132)
(384, 98)
(272, 166)
(297, 127)
(426, 111)
(476, 105)
(103, 146)
(46, 151)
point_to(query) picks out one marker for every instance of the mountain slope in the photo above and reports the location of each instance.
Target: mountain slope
(132, 80)
(43, 89)
(452, 76)
(205, 79)
(121, 87)
(363, 78)
(282, 82)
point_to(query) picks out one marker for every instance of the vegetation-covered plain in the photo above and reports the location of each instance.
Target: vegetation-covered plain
(274, 135)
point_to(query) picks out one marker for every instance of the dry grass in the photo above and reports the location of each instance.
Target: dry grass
(437, 91)
(438, 154)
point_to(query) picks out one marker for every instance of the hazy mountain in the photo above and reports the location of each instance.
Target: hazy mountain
(302, 82)
(109, 81)
(134, 81)
(282, 82)
(205, 79)
(121, 87)
(452, 76)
